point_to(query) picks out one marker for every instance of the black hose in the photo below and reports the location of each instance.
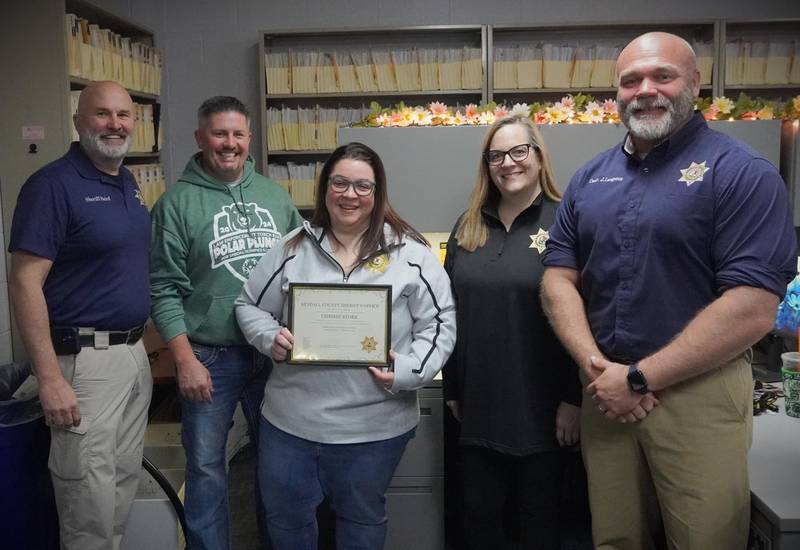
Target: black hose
(177, 505)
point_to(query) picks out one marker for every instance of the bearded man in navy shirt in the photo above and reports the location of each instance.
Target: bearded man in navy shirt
(79, 285)
(667, 261)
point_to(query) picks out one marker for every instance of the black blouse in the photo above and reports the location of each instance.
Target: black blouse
(508, 371)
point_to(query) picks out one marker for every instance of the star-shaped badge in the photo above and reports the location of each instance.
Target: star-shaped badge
(693, 173)
(369, 344)
(378, 264)
(538, 241)
(138, 195)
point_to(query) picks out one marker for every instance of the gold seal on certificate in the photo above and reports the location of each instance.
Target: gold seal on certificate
(339, 324)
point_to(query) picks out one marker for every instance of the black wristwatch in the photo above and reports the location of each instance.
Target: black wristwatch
(636, 379)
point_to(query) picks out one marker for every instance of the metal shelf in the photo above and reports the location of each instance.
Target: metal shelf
(367, 95)
(306, 152)
(507, 91)
(83, 82)
(762, 86)
(609, 89)
(108, 20)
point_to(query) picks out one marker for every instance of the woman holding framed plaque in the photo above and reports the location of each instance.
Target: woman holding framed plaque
(509, 381)
(357, 314)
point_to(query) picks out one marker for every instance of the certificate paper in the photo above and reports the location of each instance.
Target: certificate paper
(340, 324)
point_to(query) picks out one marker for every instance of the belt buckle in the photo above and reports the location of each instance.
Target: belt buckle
(99, 338)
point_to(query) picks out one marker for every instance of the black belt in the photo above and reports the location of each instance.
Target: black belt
(115, 337)
(70, 340)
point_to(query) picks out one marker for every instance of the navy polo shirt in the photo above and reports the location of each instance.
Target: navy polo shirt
(96, 230)
(656, 240)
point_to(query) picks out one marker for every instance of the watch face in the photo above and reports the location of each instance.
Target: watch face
(636, 379)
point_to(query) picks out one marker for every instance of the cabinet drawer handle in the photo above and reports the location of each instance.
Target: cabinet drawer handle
(409, 490)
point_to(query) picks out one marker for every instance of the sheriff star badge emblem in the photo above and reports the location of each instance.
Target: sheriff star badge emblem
(539, 240)
(694, 173)
(369, 344)
(138, 194)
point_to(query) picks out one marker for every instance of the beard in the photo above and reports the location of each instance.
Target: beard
(93, 143)
(678, 110)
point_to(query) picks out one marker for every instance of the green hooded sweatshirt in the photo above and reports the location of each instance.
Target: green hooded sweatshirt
(207, 236)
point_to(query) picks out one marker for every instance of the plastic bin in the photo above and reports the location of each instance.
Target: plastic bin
(28, 517)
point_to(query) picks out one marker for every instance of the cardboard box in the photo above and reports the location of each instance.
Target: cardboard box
(162, 365)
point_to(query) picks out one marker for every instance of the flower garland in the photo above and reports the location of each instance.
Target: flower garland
(745, 108)
(577, 109)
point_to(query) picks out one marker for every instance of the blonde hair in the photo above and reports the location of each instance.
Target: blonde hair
(472, 231)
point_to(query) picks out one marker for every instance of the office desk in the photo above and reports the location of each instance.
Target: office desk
(775, 482)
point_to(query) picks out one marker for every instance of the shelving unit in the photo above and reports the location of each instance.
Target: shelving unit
(37, 102)
(142, 87)
(340, 41)
(783, 31)
(513, 37)
(713, 34)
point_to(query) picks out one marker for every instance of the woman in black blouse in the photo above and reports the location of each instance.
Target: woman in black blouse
(509, 381)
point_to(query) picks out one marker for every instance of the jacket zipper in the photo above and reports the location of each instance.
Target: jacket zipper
(345, 275)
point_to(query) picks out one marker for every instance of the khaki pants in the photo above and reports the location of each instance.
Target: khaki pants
(685, 464)
(95, 467)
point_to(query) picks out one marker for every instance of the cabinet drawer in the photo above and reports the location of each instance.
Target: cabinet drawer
(415, 507)
(424, 455)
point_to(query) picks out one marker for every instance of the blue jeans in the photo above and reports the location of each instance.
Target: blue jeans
(238, 373)
(297, 474)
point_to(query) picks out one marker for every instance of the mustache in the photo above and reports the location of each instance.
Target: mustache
(658, 102)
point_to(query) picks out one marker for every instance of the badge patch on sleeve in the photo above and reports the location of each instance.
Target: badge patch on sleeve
(694, 173)
(539, 240)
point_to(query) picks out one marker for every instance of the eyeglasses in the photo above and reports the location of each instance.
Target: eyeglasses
(518, 153)
(362, 188)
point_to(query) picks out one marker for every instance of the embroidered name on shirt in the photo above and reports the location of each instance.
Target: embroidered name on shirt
(98, 198)
(694, 173)
(606, 179)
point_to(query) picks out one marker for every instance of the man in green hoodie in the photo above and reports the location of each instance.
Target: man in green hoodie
(209, 231)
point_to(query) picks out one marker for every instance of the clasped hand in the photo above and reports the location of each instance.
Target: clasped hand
(612, 395)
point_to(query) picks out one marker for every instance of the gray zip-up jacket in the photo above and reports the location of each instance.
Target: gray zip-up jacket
(341, 404)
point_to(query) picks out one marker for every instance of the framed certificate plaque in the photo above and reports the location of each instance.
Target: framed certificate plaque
(340, 324)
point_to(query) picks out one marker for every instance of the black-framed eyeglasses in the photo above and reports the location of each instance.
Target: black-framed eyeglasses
(518, 153)
(362, 188)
